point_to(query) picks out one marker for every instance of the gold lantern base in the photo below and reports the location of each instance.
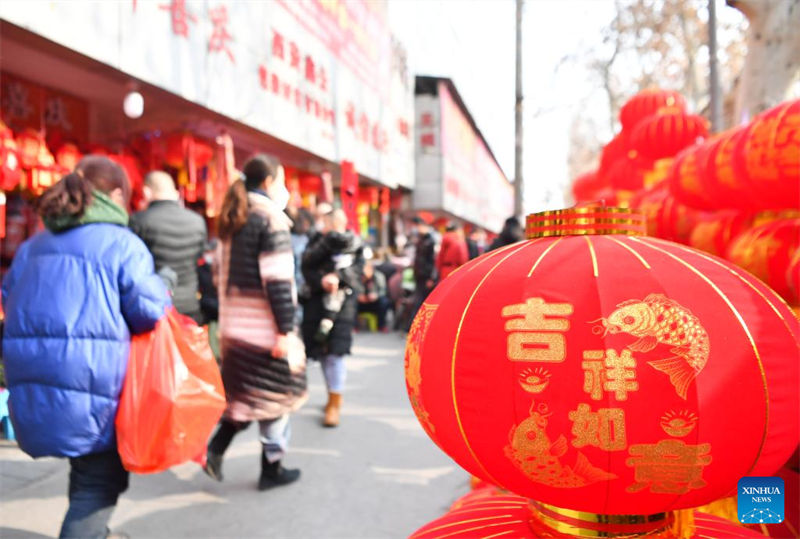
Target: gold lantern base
(551, 521)
(586, 220)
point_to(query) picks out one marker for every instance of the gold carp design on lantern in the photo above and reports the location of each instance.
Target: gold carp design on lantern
(416, 336)
(531, 450)
(658, 319)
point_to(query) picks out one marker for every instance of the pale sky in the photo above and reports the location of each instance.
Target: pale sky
(472, 42)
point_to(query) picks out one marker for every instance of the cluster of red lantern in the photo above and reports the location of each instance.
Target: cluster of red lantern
(610, 379)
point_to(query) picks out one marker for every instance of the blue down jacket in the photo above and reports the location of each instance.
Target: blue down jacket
(71, 301)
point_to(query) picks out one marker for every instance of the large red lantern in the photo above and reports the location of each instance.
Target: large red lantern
(617, 148)
(667, 133)
(594, 370)
(627, 173)
(68, 156)
(646, 103)
(766, 251)
(490, 512)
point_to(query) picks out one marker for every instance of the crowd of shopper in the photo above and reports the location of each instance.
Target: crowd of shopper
(279, 286)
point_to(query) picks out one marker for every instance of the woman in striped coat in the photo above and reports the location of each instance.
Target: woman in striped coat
(263, 363)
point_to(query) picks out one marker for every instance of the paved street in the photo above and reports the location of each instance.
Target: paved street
(378, 475)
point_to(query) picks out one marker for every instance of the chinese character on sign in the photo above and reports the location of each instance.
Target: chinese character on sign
(294, 55)
(669, 466)
(427, 119)
(277, 45)
(220, 35)
(402, 126)
(539, 334)
(263, 77)
(363, 127)
(16, 101)
(604, 428)
(609, 371)
(350, 114)
(311, 74)
(427, 140)
(287, 90)
(275, 83)
(180, 17)
(322, 79)
(55, 114)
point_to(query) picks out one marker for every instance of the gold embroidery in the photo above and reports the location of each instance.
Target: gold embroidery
(416, 336)
(539, 459)
(611, 372)
(659, 320)
(534, 380)
(669, 466)
(526, 331)
(678, 424)
(604, 428)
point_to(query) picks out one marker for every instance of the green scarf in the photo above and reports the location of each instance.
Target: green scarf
(101, 210)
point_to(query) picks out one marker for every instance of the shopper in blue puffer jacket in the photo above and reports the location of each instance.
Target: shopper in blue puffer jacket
(72, 298)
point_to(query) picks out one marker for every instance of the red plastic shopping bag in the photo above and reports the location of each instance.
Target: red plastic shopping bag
(171, 399)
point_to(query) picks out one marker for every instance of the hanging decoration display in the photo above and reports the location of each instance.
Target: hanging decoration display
(592, 369)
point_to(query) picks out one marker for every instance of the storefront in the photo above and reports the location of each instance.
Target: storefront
(321, 85)
(457, 176)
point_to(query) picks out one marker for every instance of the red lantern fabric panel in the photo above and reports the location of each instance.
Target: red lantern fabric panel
(665, 134)
(646, 103)
(569, 370)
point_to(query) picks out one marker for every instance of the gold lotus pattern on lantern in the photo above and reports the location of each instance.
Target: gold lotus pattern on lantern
(679, 423)
(659, 320)
(416, 336)
(531, 450)
(534, 380)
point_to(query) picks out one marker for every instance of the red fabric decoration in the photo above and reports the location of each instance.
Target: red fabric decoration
(617, 148)
(570, 369)
(646, 103)
(766, 251)
(310, 184)
(133, 170)
(68, 156)
(349, 195)
(585, 186)
(627, 172)
(667, 133)
(489, 512)
(714, 232)
(10, 171)
(29, 143)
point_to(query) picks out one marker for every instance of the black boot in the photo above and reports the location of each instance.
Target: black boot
(217, 447)
(275, 475)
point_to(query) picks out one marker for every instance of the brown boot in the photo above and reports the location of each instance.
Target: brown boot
(332, 410)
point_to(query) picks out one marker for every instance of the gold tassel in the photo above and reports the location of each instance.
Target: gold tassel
(683, 524)
(723, 508)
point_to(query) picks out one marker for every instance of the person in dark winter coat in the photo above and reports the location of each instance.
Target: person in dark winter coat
(424, 267)
(175, 236)
(476, 243)
(332, 264)
(263, 364)
(511, 233)
(72, 298)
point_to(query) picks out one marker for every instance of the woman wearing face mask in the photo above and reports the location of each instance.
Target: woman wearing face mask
(263, 365)
(72, 298)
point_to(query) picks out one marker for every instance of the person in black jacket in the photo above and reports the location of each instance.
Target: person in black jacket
(424, 267)
(332, 266)
(176, 238)
(511, 233)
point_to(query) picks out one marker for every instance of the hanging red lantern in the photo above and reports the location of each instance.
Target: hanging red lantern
(627, 173)
(649, 203)
(44, 173)
(2, 215)
(594, 370)
(713, 233)
(770, 151)
(617, 148)
(29, 143)
(646, 103)
(585, 186)
(766, 251)
(10, 171)
(68, 156)
(686, 179)
(793, 276)
(668, 132)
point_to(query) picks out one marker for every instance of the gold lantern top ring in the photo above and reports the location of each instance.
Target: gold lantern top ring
(586, 220)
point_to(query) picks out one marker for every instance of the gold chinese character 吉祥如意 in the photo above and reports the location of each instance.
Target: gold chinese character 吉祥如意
(539, 334)
(669, 466)
(604, 428)
(609, 371)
